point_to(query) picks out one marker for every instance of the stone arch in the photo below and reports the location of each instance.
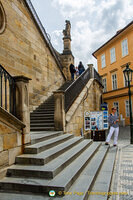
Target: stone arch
(2, 19)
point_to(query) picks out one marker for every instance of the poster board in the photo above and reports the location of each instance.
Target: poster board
(97, 120)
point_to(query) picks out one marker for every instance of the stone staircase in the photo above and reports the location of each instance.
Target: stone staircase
(42, 118)
(60, 162)
(71, 166)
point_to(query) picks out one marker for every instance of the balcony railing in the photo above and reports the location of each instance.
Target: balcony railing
(7, 91)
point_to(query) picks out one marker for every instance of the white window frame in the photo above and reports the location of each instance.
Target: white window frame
(114, 88)
(103, 60)
(124, 47)
(104, 83)
(117, 107)
(112, 55)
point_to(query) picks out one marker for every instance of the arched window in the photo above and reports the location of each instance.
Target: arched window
(2, 19)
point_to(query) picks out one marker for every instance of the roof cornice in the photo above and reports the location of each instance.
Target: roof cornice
(110, 40)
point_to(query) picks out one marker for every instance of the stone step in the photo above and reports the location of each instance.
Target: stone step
(104, 178)
(41, 146)
(62, 182)
(42, 128)
(52, 168)
(45, 107)
(48, 155)
(79, 190)
(32, 121)
(45, 117)
(46, 104)
(42, 115)
(42, 136)
(44, 124)
(43, 112)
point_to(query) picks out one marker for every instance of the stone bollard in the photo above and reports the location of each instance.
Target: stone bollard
(59, 113)
(22, 105)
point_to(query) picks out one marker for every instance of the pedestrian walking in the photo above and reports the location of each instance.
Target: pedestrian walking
(114, 127)
(77, 72)
(81, 68)
(72, 71)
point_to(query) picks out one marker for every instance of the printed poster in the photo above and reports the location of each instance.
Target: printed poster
(97, 120)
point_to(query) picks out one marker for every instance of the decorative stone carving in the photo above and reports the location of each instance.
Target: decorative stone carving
(2, 19)
(67, 30)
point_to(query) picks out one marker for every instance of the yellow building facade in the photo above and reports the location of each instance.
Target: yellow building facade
(112, 58)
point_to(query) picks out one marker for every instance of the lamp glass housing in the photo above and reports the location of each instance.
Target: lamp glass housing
(128, 74)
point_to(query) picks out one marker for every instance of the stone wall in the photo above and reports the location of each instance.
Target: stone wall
(11, 140)
(23, 51)
(87, 101)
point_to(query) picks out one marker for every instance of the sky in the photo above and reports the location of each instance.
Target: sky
(93, 22)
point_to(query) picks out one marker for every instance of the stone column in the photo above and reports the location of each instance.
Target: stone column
(91, 70)
(59, 113)
(22, 105)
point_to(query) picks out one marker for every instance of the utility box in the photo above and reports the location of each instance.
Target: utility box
(98, 135)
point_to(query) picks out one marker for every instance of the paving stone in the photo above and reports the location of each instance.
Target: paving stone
(123, 173)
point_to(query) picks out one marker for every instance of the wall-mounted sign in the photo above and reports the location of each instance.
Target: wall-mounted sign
(104, 106)
(97, 120)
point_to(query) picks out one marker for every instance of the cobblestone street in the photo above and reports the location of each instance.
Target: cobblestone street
(123, 171)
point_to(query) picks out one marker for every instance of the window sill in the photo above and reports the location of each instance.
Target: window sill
(125, 56)
(103, 67)
(111, 63)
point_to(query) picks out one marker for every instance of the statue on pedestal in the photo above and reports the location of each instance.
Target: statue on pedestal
(66, 31)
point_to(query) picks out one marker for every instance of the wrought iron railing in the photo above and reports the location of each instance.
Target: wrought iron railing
(72, 92)
(7, 91)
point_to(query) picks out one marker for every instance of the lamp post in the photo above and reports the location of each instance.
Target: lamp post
(128, 78)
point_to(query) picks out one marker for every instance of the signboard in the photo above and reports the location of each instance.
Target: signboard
(105, 120)
(104, 106)
(87, 121)
(97, 120)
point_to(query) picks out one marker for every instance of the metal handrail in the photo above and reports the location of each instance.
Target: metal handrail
(72, 92)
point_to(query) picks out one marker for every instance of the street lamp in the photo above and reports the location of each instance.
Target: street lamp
(128, 78)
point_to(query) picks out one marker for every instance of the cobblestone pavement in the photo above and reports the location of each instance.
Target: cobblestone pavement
(122, 180)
